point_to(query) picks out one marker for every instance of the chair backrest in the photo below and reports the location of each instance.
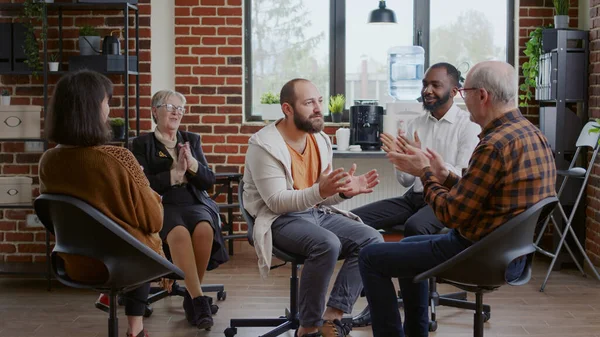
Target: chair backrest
(277, 251)
(484, 264)
(249, 218)
(81, 229)
(586, 138)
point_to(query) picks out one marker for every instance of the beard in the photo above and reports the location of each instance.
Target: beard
(309, 124)
(438, 102)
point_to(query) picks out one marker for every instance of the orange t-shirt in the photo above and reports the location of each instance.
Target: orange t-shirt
(306, 166)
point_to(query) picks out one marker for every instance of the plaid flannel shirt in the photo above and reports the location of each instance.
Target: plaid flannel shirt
(511, 169)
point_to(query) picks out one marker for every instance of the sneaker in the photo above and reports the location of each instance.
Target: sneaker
(334, 328)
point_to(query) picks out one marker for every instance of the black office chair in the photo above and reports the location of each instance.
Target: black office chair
(80, 229)
(284, 323)
(482, 267)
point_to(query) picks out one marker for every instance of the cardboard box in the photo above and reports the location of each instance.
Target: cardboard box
(20, 121)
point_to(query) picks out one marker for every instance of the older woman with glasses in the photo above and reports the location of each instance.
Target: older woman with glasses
(176, 167)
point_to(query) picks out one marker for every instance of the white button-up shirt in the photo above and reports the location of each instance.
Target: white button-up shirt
(454, 137)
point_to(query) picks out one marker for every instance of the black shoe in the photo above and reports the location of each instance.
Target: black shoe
(188, 307)
(362, 319)
(202, 312)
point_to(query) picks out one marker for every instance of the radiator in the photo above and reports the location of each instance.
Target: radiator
(388, 185)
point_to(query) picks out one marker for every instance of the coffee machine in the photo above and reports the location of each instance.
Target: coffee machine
(366, 125)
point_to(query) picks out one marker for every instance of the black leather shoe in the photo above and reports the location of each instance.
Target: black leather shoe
(362, 319)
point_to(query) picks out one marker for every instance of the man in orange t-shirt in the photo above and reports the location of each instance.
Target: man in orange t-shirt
(290, 190)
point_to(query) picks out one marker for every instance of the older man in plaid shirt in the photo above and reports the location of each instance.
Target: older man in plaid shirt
(511, 169)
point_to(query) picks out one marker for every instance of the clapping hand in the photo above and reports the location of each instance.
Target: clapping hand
(436, 162)
(186, 152)
(363, 183)
(390, 144)
(409, 159)
(182, 164)
(415, 143)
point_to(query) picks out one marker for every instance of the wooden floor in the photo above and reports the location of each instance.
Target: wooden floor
(570, 306)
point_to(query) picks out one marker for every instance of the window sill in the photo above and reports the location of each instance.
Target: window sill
(263, 123)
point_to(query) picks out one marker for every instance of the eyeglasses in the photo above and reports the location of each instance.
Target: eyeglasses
(463, 91)
(172, 108)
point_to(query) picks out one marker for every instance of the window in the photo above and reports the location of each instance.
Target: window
(331, 44)
(466, 32)
(289, 39)
(367, 49)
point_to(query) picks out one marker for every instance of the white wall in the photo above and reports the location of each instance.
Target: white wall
(162, 23)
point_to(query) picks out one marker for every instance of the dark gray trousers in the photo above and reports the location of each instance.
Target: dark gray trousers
(409, 210)
(323, 238)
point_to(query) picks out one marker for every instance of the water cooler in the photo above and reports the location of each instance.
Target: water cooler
(406, 68)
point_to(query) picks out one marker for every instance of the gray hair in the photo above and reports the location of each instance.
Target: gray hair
(499, 82)
(161, 96)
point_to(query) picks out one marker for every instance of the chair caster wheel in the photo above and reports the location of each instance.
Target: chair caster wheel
(221, 295)
(432, 326)
(486, 316)
(230, 332)
(214, 309)
(148, 312)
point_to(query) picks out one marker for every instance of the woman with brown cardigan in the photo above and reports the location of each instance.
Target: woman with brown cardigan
(107, 177)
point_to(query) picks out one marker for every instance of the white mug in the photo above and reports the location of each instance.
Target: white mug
(342, 136)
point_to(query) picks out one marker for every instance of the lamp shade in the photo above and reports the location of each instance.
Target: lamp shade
(382, 15)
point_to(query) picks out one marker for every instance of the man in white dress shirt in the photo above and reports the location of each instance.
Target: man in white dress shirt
(445, 128)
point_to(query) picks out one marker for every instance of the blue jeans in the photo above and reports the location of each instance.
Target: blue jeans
(379, 263)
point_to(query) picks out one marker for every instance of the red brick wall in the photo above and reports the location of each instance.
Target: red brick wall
(592, 243)
(18, 242)
(209, 71)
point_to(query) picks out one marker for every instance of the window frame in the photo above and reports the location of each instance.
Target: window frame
(337, 46)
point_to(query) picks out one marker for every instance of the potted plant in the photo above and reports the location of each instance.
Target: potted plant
(53, 63)
(533, 49)
(336, 107)
(270, 108)
(561, 17)
(118, 127)
(89, 41)
(32, 16)
(5, 97)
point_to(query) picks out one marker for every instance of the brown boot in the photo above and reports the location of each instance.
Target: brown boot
(334, 328)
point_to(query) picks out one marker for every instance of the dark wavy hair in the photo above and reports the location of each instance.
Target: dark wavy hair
(452, 72)
(75, 112)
